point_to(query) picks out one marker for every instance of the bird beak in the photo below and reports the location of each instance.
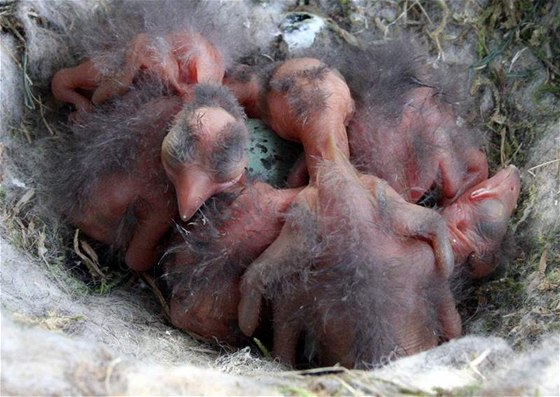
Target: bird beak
(505, 185)
(193, 188)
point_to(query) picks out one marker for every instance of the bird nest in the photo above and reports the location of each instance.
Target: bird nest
(71, 324)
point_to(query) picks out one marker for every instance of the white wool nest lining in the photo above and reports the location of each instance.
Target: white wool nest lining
(57, 340)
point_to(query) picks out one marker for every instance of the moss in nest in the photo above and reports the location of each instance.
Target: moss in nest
(96, 265)
(533, 24)
(498, 305)
(508, 137)
(506, 32)
(28, 232)
(49, 241)
(501, 303)
(524, 304)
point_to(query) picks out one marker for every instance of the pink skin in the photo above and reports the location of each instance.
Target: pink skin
(323, 137)
(66, 83)
(244, 229)
(154, 213)
(245, 84)
(253, 221)
(253, 224)
(422, 148)
(318, 128)
(309, 103)
(194, 181)
(479, 218)
(143, 188)
(190, 59)
(209, 314)
(377, 243)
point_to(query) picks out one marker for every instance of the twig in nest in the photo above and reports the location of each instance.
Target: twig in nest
(109, 373)
(262, 348)
(343, 34)
(23, 200)
(42, 110)
(322, 371)
(503, 133)
(542, 262)
(435, 34)
(90, 258)
(530, 170)
(29, 98)
(148, 279)
(403, 14)
(477, 361)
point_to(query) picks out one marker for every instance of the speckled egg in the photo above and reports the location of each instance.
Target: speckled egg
(270, 157)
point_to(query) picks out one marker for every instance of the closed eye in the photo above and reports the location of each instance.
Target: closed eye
(229, 153)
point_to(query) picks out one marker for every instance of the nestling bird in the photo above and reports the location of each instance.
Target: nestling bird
(204, 152)
(107, 179)
(354, 275)
(405, 128)
(203, 267)
(186, 59)
(346, 262)
(478, 220)
(183, 44)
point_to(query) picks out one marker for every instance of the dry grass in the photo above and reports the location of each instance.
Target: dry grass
(522, 303)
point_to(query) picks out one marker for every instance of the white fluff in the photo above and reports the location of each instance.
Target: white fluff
(55, 342)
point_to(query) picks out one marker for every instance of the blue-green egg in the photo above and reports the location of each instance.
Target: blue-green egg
(270, 157)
